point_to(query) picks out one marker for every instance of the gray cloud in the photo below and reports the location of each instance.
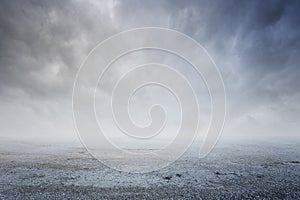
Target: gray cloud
(44, 42)
(255, 44)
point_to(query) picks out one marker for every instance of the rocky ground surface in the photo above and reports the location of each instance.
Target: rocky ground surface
(230, 171)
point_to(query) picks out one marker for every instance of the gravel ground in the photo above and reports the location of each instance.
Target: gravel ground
(231, 171)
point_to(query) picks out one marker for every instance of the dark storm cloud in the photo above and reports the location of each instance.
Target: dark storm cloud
(41, 47)
(256, 45)
(42, 43)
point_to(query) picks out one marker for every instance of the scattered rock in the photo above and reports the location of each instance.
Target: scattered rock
(219, 173)
(226, 173)
(178, 175)
(259, 176)
(168, 177)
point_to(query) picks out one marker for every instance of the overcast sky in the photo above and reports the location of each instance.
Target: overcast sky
(256, 45)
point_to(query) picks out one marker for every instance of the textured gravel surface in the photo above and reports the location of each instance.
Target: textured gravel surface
(231, 171)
